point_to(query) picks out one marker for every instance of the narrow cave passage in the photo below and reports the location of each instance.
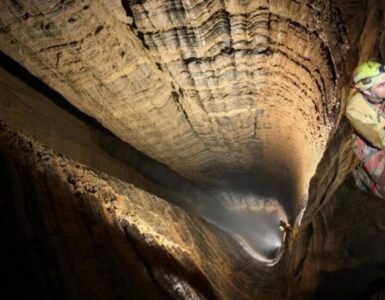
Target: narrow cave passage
(249, 215)
(238, 96)
(247, 205)
(221, 108)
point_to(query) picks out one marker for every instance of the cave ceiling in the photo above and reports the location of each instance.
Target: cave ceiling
(209, 88)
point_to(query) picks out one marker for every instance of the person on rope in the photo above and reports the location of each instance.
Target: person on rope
(365, 112)
(285, 227)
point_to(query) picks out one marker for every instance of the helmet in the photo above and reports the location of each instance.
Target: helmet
(367, 74)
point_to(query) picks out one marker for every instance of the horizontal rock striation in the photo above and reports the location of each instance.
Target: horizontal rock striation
(46, 117)
(210, 88)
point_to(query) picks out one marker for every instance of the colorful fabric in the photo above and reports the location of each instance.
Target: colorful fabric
(368, 120)
(369, 174)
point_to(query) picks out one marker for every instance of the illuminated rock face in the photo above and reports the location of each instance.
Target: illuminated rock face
(210, 88)
(71, 233)
(219, 91)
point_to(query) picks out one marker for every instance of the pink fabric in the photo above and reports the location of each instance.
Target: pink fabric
(373, 164)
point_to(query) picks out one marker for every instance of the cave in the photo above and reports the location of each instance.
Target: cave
(152, 149)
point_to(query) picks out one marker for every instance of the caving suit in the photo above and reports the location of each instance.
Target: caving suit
(368, 120)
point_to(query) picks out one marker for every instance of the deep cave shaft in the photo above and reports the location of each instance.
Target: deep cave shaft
(250, 85)
(223, 108)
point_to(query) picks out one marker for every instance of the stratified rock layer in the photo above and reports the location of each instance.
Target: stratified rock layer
(64, 129)
(211, 88)
(47, 118)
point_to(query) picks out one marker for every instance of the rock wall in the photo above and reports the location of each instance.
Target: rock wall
(213, 89)
(207, 87)
(337, 252)
(40, 113)
(47, 118)
(71, 233)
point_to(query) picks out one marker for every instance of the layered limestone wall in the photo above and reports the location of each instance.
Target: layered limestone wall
(212, 89)
(33, 109)
(43, 115)
(215, 89)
